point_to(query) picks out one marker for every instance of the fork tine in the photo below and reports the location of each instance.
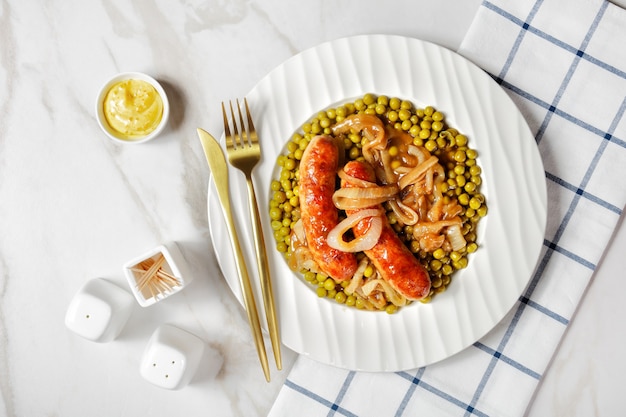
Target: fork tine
(251, 130)
(229, 137)
(244, 133)
(236, 137)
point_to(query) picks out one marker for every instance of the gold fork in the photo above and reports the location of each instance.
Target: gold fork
(244, 152)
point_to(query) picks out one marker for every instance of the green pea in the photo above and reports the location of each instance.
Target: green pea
(425, 134)
(470, 187)
(430, 145)
(437, 126)
(286, 185)
(350, 300)
(436, 282)
(276, 213)
(279, 196)
(435, 264)
(391, 309)
(460, 156)
(341, 297)
(369, 99)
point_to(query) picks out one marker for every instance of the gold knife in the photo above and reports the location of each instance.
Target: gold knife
(217, 163)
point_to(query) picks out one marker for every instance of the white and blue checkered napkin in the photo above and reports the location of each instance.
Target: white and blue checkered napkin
(563, 62)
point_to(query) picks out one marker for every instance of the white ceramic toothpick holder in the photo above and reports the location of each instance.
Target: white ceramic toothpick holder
(175, 279)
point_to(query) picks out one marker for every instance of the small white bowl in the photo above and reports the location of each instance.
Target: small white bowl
(174, 265)
(112, 133)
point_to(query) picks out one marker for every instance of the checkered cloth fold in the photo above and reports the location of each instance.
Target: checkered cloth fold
(563, 62)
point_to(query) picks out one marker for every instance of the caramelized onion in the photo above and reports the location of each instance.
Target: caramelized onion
(371, 126)
(455, 237)
(355, 198)
(361, 243)
(422, 228)
(417, 172)
(354, 181)
(390, 294)
(355, 282)
(404, 213)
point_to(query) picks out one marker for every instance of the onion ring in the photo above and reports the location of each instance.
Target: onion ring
(362, 243)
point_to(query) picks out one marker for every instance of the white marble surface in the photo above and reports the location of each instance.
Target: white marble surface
(75, 206)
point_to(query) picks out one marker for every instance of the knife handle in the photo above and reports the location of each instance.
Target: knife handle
(264, 274)
(246, 287)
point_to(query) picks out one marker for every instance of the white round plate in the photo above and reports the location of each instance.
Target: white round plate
(509, 237)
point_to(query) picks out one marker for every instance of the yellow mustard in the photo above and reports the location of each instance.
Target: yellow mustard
(133, 108)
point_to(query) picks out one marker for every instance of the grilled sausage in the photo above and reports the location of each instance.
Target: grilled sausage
(393, 260)
(318, 175)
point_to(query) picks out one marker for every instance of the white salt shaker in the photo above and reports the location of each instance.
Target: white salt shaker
(172, 357)
(99, 310)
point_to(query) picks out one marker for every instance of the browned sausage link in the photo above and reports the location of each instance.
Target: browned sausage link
(393, 260)
(318, 175)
